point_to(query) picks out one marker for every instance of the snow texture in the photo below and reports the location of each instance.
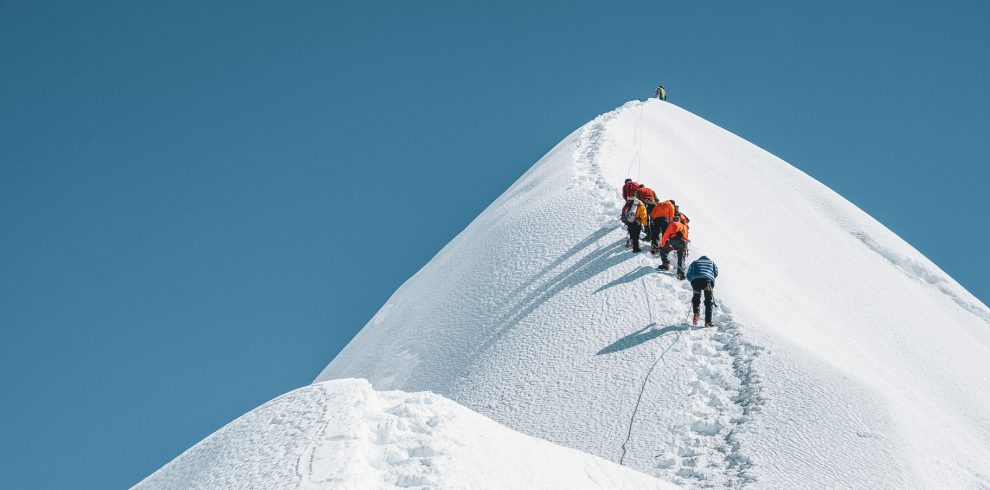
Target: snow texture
(342, 434)
(843, 358)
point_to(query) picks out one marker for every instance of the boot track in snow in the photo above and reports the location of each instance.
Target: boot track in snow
(705, 447)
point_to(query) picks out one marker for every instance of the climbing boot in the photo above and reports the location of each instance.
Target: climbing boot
(696, 319)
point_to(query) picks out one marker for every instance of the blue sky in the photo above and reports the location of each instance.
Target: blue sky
(202, 202)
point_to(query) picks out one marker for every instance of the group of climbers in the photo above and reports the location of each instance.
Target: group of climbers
(665, 226)
(667, 229)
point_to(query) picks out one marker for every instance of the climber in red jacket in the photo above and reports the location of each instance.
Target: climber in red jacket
(628, 193)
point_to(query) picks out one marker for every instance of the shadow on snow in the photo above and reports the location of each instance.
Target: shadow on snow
(597, 261)
(640, 336)
(628, 277)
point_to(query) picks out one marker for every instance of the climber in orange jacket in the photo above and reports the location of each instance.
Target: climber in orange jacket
(674, 238)
(660, 217)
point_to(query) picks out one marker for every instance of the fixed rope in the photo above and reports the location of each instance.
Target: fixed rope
(642, 389)
(639, 149)
(638, 142)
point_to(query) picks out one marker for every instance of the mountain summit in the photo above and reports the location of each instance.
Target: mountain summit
(842, 357)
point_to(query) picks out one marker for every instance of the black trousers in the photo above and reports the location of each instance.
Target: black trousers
(634, 228)
(699, 285)
(680, 246)
(657, 227)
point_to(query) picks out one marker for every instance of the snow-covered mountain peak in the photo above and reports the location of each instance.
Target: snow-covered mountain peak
(843, 357)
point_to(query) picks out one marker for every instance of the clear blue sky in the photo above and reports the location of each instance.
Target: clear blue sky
(202, 202)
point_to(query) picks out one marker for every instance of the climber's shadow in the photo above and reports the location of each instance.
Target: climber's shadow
(628, 277)
(644, 334)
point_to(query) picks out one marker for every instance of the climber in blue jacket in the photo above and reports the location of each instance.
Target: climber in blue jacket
(702, 274)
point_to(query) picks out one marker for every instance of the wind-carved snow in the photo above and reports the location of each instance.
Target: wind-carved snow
(587, 169)
(915, 268)
(343, 434)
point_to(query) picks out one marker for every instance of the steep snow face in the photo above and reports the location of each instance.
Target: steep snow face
(843, 357)
(343, 434)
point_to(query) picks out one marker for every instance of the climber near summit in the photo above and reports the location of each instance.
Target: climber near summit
(702, 274)
(661, 93)
(628, 194)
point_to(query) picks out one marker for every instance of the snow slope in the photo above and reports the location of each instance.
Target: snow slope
(343, 434)
(844, 358)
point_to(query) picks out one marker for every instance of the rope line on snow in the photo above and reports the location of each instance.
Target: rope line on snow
(649, 308)
(638, 141)
(646, 380)
(639, 147)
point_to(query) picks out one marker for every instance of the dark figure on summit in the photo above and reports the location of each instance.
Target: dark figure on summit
(702, 274)
(661, 93)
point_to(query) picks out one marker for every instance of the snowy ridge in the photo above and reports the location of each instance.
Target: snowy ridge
(587, 167)
(343, 434)
(704, 448)
(917, 269)
(839, 376)
(720, 394)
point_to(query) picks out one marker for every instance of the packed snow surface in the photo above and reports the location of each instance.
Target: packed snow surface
(344, 435)
(842, 357)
